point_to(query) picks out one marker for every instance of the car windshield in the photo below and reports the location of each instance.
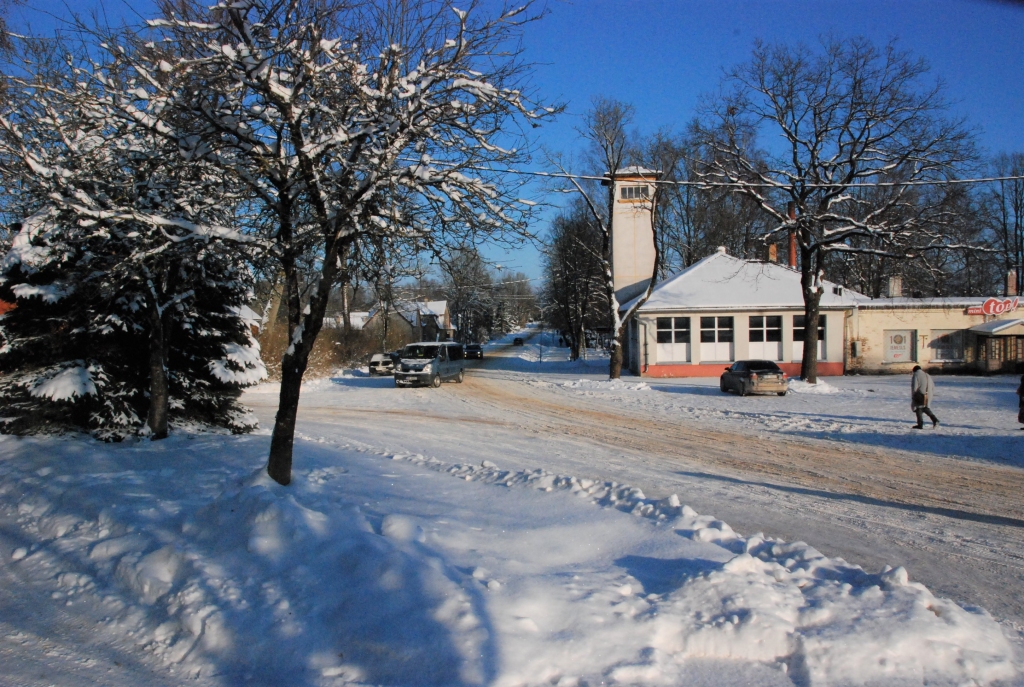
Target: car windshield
(419, 352)
(762, 366)
(473, 347)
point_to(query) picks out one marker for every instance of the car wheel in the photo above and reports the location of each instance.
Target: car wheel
(722, 386)
(781, 393)
(460, 377)
(436, 381)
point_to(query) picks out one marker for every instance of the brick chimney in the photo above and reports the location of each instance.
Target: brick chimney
(1011, 283)
(895, 287)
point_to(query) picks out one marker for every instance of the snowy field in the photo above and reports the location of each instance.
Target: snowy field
(402, 555)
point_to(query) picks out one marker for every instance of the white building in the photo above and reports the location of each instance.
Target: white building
(722, 309)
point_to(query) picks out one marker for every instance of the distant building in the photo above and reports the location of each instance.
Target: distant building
(722, 309)
(410, 321)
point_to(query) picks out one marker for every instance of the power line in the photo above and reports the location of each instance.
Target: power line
(727, 184)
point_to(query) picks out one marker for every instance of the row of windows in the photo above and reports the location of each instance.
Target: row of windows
(761, 328)
(635, 192)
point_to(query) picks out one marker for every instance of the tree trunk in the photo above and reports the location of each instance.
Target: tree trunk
(296, 358)
(812, 302)
(279, 467)
(159, 393)
(615, 355)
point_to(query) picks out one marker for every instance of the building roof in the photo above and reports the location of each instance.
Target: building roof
(637, 171)
(898, 303)
(1001, 327)
(722, 282)
(433, 307)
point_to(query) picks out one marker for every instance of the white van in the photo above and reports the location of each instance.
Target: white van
(430, 363)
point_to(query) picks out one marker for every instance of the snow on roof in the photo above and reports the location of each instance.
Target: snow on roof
(721, 281)
(903, 302)
(434, 307)
(999, 327)
(637, 171)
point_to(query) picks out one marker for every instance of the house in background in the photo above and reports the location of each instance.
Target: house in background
(722, 309)
(410, 321)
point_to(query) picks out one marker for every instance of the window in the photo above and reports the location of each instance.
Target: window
(947, 344)
(673, 339)
(635, 192)
(765, 337)
(455, 352)
(716, 338)
(673, 330)
(799, 331)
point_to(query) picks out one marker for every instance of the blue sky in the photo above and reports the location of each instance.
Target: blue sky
(660, 55)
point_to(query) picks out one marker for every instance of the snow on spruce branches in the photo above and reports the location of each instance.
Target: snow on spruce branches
(128, 296)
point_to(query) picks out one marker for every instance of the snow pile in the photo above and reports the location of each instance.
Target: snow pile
(606, 385)
(799, 386)
(399, 568)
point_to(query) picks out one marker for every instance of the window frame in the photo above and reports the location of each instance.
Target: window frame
(634, 192)
(961, 347)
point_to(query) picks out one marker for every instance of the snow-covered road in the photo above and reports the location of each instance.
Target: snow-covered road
(834, 470)
(537, 525)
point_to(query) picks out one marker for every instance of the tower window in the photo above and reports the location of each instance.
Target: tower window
(635, 192)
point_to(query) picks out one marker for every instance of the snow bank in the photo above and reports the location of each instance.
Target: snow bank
(606, 385)
(799, 386)
(400, 569)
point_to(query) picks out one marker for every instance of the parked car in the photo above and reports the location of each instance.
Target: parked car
(518, 341)
(754, 377)
(430, 363)
(474, 351)
(382, 364)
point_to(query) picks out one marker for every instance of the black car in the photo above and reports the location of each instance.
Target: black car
(474, 351)
(754, 376)
(518, 341)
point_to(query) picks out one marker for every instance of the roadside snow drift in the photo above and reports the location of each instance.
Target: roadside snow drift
(149, 563)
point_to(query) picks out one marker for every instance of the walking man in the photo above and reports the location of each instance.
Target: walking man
(921, 391)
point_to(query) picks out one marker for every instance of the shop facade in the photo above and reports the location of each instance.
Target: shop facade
(892, 335)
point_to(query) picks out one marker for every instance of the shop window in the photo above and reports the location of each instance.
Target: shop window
(635, 192)
(765, 337)
(900, 345)
(716, 339)
(674, 339)
(799, 332)
(947, 345)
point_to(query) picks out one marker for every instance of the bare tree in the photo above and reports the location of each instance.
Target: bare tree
(574, 291)
(605, 127)
(837, 121)
(1008, 201)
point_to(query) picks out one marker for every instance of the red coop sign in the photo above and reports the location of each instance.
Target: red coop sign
(994, 306)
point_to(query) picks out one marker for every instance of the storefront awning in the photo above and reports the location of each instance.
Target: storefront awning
(1000, 328)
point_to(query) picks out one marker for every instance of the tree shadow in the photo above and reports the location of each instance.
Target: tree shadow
(364, 381)
(867, 500)
(348, 605)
